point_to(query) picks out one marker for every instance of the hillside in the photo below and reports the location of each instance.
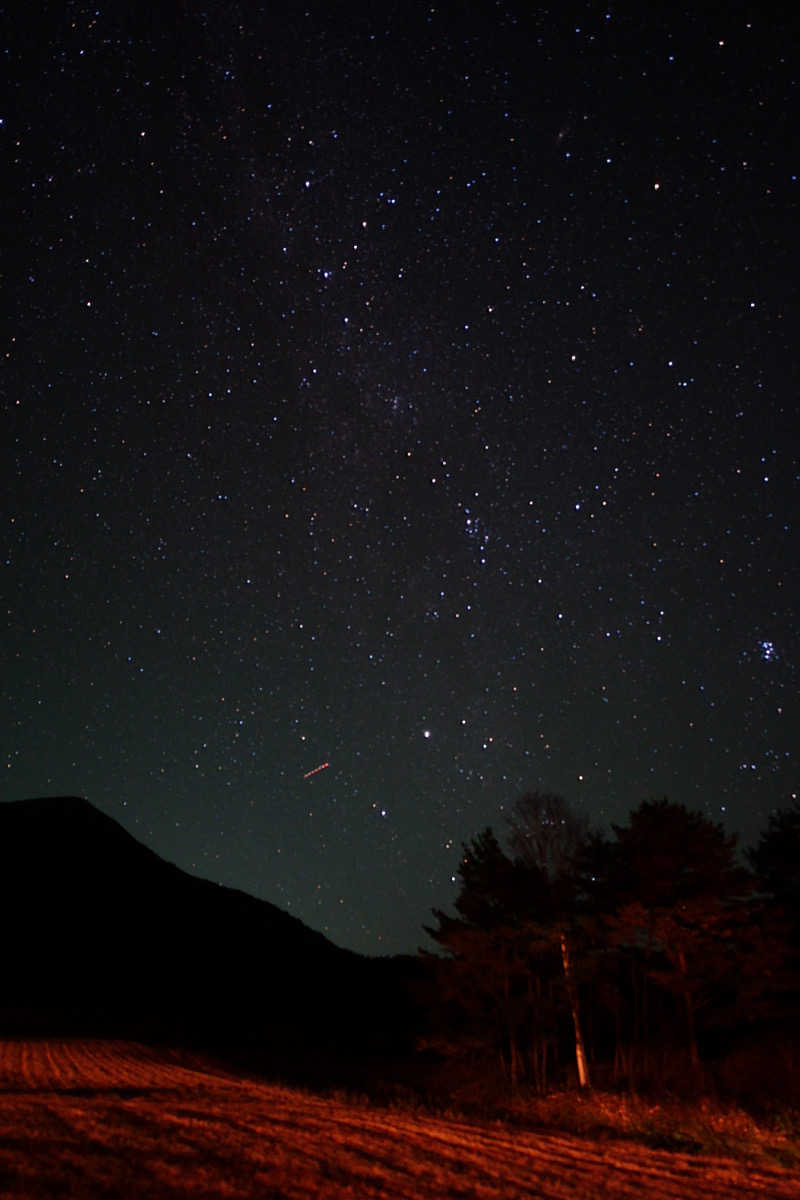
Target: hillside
(103, 935)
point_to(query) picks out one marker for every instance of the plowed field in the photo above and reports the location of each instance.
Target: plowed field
(86, 1119)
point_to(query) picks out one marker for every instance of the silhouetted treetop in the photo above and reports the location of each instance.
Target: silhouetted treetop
(547, 833)
(776, 857)
(667, 854)
(495, 890)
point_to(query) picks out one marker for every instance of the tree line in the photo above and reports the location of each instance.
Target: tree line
(637, 957)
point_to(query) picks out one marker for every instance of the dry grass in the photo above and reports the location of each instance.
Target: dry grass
(85, 1119)
(698, 1127)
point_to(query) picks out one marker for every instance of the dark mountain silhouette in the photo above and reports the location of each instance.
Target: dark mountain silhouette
(102, 935)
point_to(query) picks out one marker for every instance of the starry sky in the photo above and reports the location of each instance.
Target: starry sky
(403, 388)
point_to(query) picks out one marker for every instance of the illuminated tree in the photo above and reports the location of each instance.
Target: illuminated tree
(490, 975)
(549, 836)
(515, 933)
(677, 908)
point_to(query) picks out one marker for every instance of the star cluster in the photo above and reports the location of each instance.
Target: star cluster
(407, 392)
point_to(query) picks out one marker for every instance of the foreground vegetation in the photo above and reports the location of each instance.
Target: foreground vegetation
(93, 1118)
(700, 1127)
(650, 959)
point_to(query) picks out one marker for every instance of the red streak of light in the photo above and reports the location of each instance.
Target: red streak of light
(321, 767)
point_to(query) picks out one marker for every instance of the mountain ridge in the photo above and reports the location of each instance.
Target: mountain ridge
(72, 817)
(105, 935)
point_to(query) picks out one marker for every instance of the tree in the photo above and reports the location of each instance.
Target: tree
(679, 910)
(516, 927)
(495, 890)
(502, 962)
(491, 981)
(548, 836)
(776, 858)
(668, 853)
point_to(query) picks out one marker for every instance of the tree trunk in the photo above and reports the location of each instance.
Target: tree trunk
(691, 1027)
(513, 1055)
(572, 992)
(511, 1032)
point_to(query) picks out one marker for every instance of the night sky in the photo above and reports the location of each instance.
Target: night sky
(407, 389)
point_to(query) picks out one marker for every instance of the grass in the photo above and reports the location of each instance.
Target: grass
(701, 1127)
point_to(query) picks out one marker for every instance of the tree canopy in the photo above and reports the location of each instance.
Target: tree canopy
(654, 929)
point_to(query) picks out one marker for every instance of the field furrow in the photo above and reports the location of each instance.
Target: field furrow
(86, 1118)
